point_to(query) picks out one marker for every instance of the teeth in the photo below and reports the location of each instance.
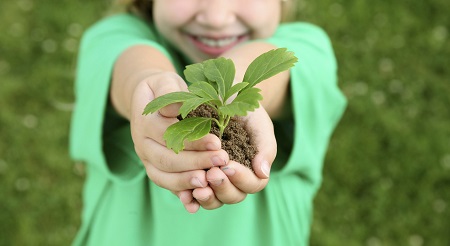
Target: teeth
(217, 42)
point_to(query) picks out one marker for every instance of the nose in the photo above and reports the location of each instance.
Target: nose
(216, 13)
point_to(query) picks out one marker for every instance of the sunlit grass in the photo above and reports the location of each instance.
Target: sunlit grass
(387, 171)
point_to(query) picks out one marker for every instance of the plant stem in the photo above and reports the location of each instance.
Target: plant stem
(222, 122)
(227, 120)
(220, 125)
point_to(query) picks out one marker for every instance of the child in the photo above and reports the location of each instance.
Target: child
(128, 59)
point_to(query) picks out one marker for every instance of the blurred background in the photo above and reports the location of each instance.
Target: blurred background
(387, 171)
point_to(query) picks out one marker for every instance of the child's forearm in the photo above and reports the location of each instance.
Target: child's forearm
(131, 68)
(274, 89)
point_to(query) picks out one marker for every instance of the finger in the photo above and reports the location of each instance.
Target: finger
(143, 126)
(168, 83)
(224, 190)
(176, 181)
(206, 198)
(264, 139)
(168, 161)
(243, 178)
(156, 125)
(261, 166)
(153, 87)
(208, 142)
(190, 204)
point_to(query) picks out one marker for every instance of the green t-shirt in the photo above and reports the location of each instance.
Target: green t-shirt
(121, 206)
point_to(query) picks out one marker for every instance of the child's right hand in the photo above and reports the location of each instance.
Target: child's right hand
(230, 184)
(182, 172)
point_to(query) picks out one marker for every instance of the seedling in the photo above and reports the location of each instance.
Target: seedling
(211, 83)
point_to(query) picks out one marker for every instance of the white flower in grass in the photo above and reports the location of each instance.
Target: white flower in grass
(440, 33)
(70, 45)
(445, 162)
(75, 30)
(373, 241)
(378, 97)
(386, 65)
(22, 184)
(439, 206)
(49, 46)
(30, 121)
(415, 240)
(25, 5)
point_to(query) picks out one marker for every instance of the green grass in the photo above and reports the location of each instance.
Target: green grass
(387, 171)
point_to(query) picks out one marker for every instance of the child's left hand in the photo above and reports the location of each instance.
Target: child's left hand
(231, 183)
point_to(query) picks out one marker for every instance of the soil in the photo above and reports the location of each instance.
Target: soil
(236, 141)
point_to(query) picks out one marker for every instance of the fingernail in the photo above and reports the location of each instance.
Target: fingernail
(228, 171)
(216, 182)
(196, 183)
(265, 168)
(183, 198)
(217, 161)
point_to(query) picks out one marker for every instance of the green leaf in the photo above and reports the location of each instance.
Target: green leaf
(235, 89)
(164, 100)
(190, 129)
(204, 90)
(212, 84)
(194, 73)
(222, 72)
(269, 64)
(191, 104)
(247, 100)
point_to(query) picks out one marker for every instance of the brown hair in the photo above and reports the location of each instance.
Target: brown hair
(144, 8)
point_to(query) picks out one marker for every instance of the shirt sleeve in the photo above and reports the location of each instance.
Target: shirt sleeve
(100, 47)
(317, 102)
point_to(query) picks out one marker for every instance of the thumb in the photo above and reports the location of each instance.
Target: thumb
(168, 82)
(171, 110)
(264, 138)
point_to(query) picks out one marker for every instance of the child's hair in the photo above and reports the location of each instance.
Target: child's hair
(144, 8)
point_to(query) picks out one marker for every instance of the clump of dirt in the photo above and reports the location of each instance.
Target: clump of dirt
(236, 141)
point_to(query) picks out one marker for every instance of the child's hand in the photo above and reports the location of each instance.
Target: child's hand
(231, 183)
(180, 172)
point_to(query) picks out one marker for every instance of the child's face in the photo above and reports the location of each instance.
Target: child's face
(204, 29)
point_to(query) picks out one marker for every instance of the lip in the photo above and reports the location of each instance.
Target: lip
(215, 51)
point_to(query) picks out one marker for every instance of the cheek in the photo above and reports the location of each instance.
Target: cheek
(171, 13)
(264, 21)
(264, 29)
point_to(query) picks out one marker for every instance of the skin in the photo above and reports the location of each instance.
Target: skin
(181, 22)
(142, 73)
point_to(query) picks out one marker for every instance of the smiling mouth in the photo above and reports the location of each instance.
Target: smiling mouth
(216, 46)
(217, 43)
